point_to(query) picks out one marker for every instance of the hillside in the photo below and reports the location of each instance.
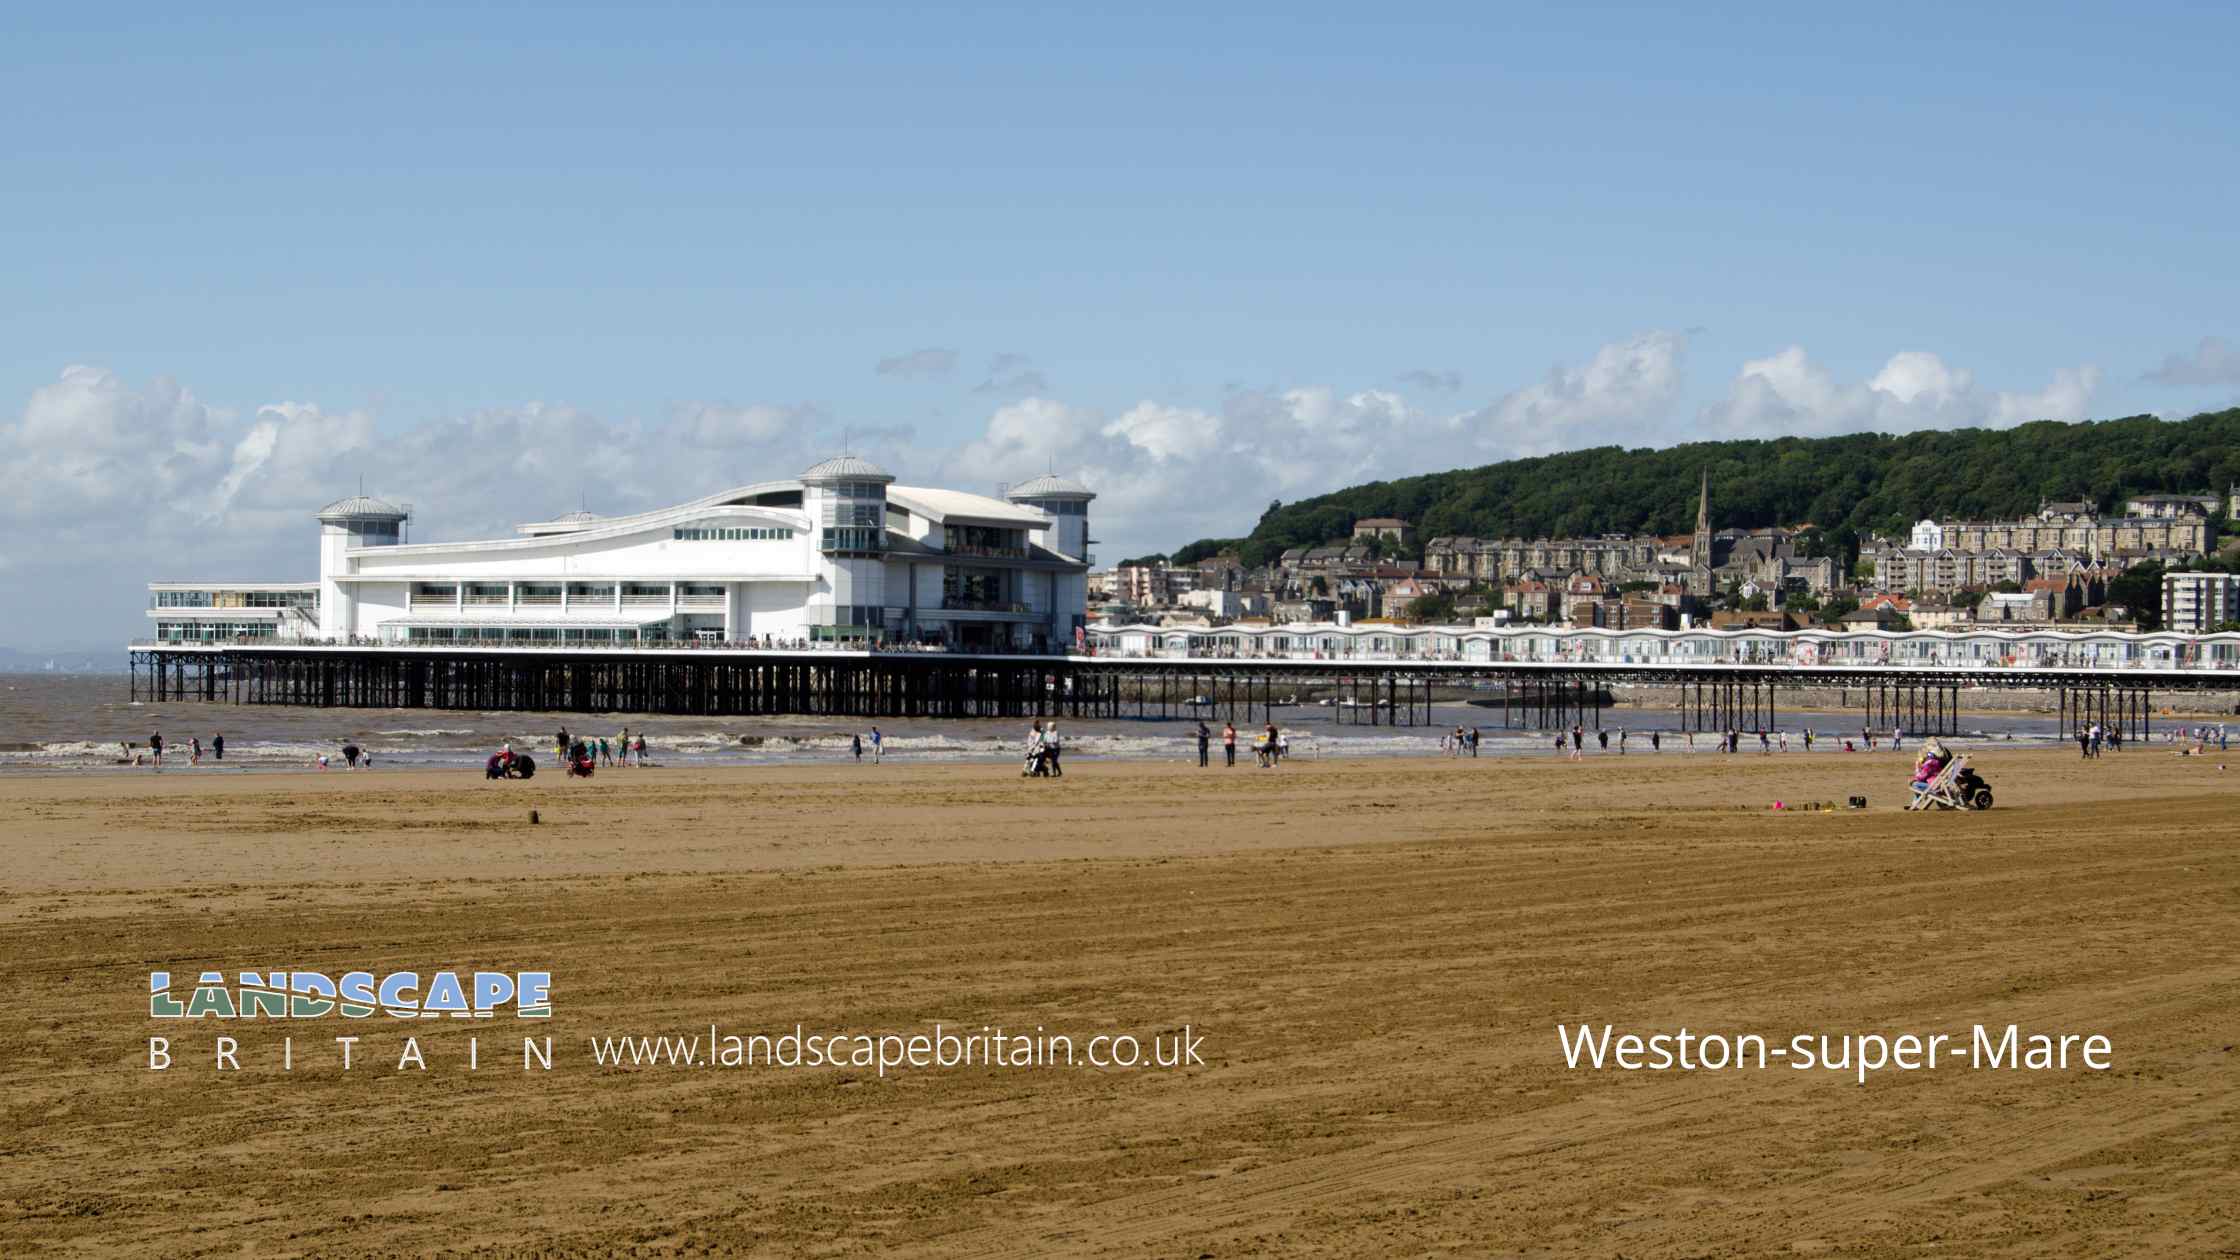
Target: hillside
(1851, 486)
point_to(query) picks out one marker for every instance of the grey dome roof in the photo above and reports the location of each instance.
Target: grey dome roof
(847, 467)
(1050, 486)
(576, 518)
(360, 507)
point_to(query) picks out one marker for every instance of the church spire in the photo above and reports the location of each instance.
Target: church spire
(1701, 558)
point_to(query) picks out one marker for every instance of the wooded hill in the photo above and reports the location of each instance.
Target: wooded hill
(1851, 486)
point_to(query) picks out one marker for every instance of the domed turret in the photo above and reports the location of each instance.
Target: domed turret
(847, 468)
(348, 525)
(360, 507)
(1066, 502)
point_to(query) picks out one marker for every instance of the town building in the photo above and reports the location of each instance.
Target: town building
(2200, 603)
(2170, 506)
(1390, 528)
(1153, 585)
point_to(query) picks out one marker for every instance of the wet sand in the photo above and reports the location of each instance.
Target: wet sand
(1375, 952)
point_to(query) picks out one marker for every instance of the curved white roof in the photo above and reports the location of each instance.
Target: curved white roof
(361, 507)
(1050, 486)
(847, 466)
(941, 505)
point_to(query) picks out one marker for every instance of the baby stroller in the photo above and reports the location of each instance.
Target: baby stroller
(579, 766)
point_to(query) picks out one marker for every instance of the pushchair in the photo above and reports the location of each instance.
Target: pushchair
(1956, 786)
(580, 767)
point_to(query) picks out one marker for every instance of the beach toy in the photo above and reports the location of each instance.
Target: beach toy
(1779, 805)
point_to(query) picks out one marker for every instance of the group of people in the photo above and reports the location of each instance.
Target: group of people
(1460, 742)
(878, 746)
(1044, 750)
(1273, 747)
(155, 750)
(582, 753)
(2094, 738)
(2201, 739)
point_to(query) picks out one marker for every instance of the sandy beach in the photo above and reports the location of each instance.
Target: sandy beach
(1376, 953)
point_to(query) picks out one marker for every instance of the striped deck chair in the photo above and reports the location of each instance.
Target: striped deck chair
(1941, 792)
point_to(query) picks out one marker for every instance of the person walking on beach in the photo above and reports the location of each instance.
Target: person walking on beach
(1603, 738)
(1205, 745)
(1897, 738)
(350, 755)
(194, 750)
(560, 744)
(1473, 741)
(1656, 741)
(1229, 742)
(218, 746)
(1578, 742)
(1784, 739)
(1765, 746)
(856, 742)
(879, 744)
(1808, 739)
(640, 749)
(1866, 738)
(1052, 749)
(622, 747)
(155, 748)
(2084, 744)
(606, 754)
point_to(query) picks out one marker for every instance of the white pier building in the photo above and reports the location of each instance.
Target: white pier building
(837, 554)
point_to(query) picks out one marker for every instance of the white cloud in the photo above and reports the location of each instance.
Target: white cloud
(112, 485)
(1788, 393)
(725, 425)
(1622, 394)
(2214, 362)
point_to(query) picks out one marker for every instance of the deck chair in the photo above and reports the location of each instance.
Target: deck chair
(1941, 792)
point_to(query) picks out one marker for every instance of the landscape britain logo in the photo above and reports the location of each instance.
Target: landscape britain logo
(354, 995)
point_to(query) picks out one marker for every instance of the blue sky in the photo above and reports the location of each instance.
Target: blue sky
(1154, 243)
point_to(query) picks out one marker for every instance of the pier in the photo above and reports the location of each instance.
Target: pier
(1527, 695)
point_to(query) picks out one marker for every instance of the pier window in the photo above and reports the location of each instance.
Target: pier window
(976, 589)
(539, 594)
(732, 533)
(439, 594)
(985, 540)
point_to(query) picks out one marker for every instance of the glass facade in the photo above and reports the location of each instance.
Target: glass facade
(221, 598)
(854, 518)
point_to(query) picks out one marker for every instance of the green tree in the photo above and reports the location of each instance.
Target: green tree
(2139, 590)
